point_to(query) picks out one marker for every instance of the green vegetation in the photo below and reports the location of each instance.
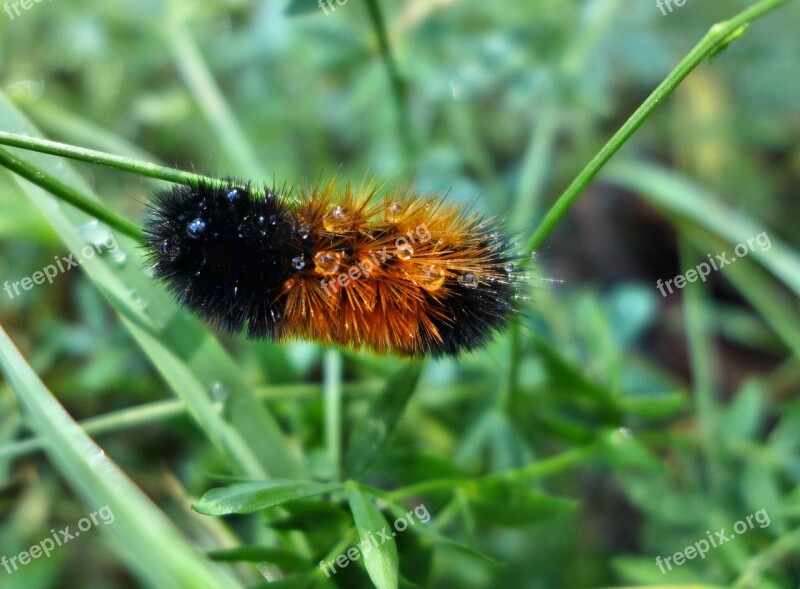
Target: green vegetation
(610, 430)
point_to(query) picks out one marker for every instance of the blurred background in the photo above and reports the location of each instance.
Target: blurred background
(674, 415)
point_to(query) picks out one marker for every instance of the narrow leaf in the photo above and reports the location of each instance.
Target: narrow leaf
(250, 497)
(381, 561)
(377, 425)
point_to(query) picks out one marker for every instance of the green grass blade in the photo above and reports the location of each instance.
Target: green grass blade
(163, 558)
(684, 198)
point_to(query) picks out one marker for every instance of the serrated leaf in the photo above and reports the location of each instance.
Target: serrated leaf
(250, 497)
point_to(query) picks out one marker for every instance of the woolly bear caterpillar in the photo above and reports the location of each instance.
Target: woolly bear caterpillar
(405, 274)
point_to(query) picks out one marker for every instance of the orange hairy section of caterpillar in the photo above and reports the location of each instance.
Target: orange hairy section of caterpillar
(386, 275)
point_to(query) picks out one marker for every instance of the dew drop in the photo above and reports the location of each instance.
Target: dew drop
(469, 280)
(140, 302)
(304, 231)
(327, 262)
(219, 393)
(120, 258)
(299, 262)
(196, 226)
(432, 278)
(405, 252)
(273, 219)
(232, 195)
(393, 211)
(509, 268)
(171, 252)
(261, 220)
(336, 219)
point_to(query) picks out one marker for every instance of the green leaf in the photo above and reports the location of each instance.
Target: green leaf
(516, 505)
(381, 560)
(278, 556)
(744, 415)
(163, 557)
(250, 497)
(727, 41)
(378, 423)
(645, 571)
(622, 449)
(762, 494)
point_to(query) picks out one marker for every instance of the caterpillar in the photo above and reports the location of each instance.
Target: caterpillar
(405, 274)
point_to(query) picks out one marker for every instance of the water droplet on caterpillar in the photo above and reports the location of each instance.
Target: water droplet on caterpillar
(469, 280)
(393, 212)
(232, 195)
(432, 278)
(120, 258)
(289, 285)
(195, 227)
(304, 231)
(299, 262)
(327, 262)
(336, 219)
(170, 251)
(405, 252)
(509, 268)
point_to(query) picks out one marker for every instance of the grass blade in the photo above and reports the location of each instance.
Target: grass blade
(163, 557)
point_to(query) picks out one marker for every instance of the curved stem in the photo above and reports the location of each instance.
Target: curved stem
(716, 40)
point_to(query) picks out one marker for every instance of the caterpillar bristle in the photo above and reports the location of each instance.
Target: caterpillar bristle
(406, 274)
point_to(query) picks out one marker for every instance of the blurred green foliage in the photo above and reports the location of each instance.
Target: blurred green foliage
(612, 427)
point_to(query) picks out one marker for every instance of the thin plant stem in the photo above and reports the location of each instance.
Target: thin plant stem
(716, 40)
(100, 158)
(397, 82)
(68, 194)
(333, 408)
